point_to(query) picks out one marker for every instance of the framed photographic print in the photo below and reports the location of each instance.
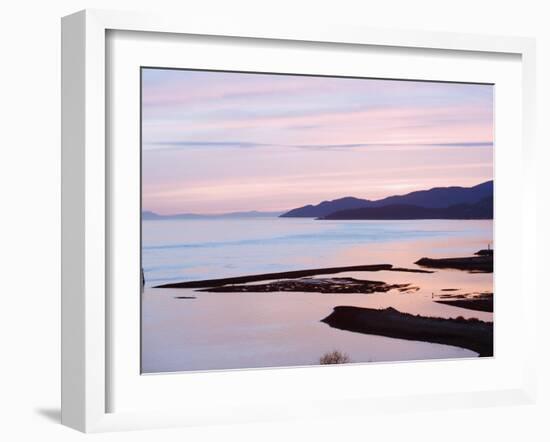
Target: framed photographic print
(255, 256)
(276, 223)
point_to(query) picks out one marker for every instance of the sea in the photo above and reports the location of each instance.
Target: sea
(188, 330)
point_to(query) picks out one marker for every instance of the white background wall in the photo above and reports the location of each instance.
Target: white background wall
(29, 233)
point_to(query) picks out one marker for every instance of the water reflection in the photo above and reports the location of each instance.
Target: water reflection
(247, 330)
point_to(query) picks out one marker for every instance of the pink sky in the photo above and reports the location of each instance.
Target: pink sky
(216, 142)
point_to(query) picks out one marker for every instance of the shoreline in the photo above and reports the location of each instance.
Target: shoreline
(482, 261)
(480, 303)
(470, 334)
(294, 274)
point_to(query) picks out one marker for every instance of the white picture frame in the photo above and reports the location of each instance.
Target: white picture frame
(86, 205)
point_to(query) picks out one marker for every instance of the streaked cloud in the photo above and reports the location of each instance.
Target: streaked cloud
(248, 145)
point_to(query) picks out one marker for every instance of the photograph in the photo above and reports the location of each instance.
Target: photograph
(292, 220)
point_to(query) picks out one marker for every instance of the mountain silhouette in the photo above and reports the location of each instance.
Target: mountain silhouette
(435, 198)
(481, 210)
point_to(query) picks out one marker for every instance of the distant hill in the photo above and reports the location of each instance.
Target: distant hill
(481, 210)
(148, 215)
(441, 196)
(438, 197)
(327, 207)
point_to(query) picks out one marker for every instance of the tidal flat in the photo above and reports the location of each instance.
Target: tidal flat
(241, 328)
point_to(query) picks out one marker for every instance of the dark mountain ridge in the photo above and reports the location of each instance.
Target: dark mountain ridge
(326, 207)
(481, 210)
(437, 197)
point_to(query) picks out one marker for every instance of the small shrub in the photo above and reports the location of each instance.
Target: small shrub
(334, 357)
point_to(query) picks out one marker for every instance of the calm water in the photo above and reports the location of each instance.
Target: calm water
(245, 330)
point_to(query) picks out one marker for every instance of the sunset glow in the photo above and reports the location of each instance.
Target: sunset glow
(217, 142)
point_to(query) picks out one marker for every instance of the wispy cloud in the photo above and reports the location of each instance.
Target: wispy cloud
(399, 145)
(184, 144)
(248, 145)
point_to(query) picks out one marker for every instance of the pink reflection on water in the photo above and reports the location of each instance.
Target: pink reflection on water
(249, 330)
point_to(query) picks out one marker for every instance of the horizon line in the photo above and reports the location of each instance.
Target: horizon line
(307, 204)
